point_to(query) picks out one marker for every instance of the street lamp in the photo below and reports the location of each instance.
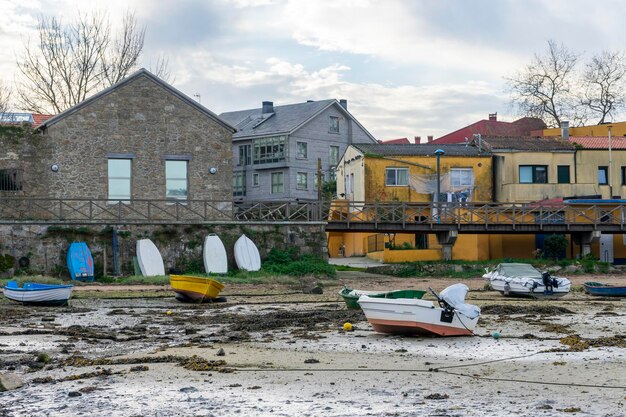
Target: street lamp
(438, 153)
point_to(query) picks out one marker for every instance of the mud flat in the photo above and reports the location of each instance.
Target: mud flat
(276, 351)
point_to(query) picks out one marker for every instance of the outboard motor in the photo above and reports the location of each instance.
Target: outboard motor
(548, 282)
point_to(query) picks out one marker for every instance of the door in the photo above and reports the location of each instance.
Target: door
(606, 248)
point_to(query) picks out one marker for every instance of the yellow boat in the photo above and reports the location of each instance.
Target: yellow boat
(196, 289)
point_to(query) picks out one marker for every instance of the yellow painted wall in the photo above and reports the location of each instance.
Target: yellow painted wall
(509, 188)
(374, 179)
(617, 129)
(587, 165)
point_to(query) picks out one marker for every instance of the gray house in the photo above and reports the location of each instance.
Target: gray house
(138, 139)
(277, 148)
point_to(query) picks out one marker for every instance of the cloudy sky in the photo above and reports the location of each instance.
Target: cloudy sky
(407, 68)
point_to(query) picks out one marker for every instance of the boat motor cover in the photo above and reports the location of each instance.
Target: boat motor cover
(454, 295)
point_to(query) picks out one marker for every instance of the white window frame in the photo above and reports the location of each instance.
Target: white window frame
(255, 180)
(396, 170)
(186, 179)
(333, 157)
(282, 183)
(460, 172)
(299, 177)
(333, 124)
(115, 199)
(239, 184)
(304, 155)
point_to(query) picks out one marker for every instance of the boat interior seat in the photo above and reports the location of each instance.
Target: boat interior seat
(12, 284)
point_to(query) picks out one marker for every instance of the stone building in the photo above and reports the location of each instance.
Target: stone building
(138, 139)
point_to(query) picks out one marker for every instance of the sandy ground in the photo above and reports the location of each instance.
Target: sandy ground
(272, 350)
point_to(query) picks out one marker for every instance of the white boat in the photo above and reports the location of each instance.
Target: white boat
(214, 255)
(247, 255)
(149, 258)
(523, 280)
(38, 294)
(452, 317)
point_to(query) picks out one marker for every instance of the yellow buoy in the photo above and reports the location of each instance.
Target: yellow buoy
(347, 327)
(169, 312)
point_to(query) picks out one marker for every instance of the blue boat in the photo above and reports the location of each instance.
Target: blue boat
(38, 294)
(605, 290)
(80, 262)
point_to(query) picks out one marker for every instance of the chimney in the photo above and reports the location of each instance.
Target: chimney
(430, 138)
(565, 130)
(418, 139)
(344, 103)
(268, 107)
(493, 117)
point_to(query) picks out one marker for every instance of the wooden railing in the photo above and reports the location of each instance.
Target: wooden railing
(339, 215)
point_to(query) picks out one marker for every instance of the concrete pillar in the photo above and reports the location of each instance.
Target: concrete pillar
(447, 239)
(584, 240)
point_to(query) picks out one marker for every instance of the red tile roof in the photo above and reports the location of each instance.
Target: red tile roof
(599, 142)
(401, 141)
(40, 118)
(520, 127)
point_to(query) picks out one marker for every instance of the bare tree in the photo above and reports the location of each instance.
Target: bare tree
(70, 62)
(5, 95)
(543, 89)
(604, 84)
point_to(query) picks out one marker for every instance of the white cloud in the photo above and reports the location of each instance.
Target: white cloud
(388, 111)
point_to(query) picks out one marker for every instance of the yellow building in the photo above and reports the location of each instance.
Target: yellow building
(617, 129)
(390, 172)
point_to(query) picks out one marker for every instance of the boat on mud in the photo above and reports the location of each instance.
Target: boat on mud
(194, 289)
(605, 290)
(452, 316)
(351, 297)
(523, 280)
(32, 293)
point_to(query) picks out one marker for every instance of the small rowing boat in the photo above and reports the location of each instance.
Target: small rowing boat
(453, 317)
(196, 289)
(605, 290)
(351, 296)
(38, 294)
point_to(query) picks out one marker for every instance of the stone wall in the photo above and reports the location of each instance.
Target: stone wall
(180, 245)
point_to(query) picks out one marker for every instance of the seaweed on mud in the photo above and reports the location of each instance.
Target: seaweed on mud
(577, 344)
(503, 309)
(302, 319)
(194, 363)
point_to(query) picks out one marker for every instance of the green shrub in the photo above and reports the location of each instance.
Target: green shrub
(287, 262)
(554, 246)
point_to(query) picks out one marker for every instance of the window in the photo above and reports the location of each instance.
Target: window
(397, 176)
(333, 158)
(562, 174)
(268, 150)
(333, 124)
(278, 186)
(603, 175)
(245, 155)
(302, 181)
(119, 179)
(301, 151)
(239, 183)
(176, 180)
(461, 177)
(533, 174)
(10, 179)
(316, 182)
(255, 180)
